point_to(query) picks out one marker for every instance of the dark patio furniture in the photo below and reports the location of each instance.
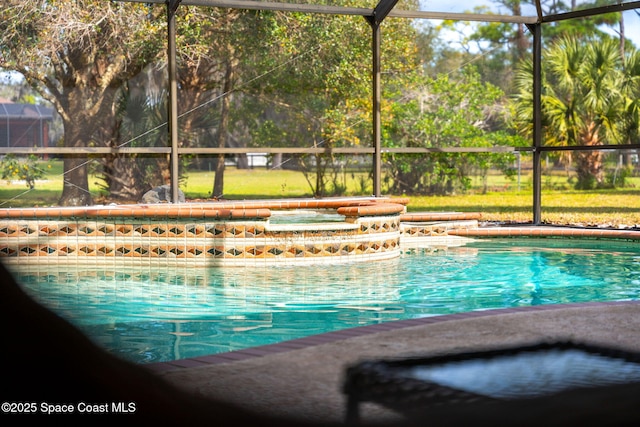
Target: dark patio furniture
(413, 385)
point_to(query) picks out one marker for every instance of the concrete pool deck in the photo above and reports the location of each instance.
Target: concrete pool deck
(301, 380)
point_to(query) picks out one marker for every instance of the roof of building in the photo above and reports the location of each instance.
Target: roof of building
(24, 111)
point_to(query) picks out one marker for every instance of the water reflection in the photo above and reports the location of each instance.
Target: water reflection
(152, 314)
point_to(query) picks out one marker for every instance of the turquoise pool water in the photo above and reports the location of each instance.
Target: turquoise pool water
(152, 315)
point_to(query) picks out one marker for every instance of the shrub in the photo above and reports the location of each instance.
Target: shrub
(25, 169)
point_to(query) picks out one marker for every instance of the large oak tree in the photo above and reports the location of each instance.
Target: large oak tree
(77, 54)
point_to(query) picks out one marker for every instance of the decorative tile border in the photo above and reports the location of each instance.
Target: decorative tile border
(156, 229)
(233, 246)
(435, 228)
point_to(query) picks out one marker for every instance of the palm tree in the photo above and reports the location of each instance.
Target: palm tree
(140, 121)
(587, 100)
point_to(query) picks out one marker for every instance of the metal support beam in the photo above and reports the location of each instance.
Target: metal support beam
(537, 122)
(382, 9)
(474, 17)
(592, 11)
(270, 5)
(379, 13)
(172, 7)
(377, 123)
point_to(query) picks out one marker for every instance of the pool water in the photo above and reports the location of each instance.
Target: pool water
(153, 314)
(300, 216)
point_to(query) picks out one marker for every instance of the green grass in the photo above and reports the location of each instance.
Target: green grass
(568, 207)
(249, 184)
(503, 202)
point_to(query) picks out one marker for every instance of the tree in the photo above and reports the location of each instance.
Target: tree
(211, 44)
(140, 121)
(77, 54)
(590, 26)
(444, 113)
(319, 94)
(493, 46)
(313, 96)
(590, 98)
(496, 47)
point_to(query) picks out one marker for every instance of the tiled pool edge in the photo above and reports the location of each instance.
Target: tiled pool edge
(330, 337)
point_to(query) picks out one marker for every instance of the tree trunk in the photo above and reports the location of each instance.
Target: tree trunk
(589, 168)
(622, 35)
(126, 181)
(319, 176)
(242, 161)
(522, 39)
(589, 164)
(218, 180)
(75, 191)
(223, 130)
(277, 161)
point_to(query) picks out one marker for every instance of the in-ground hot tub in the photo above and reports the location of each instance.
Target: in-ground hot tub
(202, 234)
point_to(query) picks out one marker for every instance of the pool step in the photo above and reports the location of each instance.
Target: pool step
(435, 228)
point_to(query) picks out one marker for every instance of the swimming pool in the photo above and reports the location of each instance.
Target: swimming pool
(154, 314)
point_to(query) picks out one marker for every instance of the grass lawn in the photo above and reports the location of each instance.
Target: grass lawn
(584, 208)
(503, 202)
(249, 184)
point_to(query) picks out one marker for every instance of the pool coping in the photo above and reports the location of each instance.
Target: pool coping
(247, 209)
(547, 231)
(329, 337)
